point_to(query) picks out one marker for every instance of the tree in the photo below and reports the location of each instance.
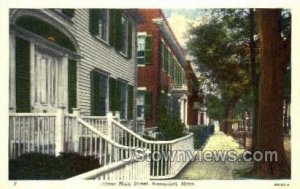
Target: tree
(219, 45)
(215, 107)
(274, 58)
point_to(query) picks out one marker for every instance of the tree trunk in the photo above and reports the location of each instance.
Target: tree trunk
(273, 67)
(227, 127)
(285, 116)
(254, 76)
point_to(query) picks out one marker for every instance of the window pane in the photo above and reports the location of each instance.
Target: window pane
(103, 22)
(141, 43)
(140, 112)
(141, 60)
(124, 35)
(141, 53)
(140, 98)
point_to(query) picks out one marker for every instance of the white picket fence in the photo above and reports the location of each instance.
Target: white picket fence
(113, 144)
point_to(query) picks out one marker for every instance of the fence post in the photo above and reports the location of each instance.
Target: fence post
(59, 131)
(109, 124)
(76, 112)
(118, 116)
(109, 130)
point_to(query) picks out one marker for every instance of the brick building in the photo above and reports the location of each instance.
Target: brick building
(161, 70)
(195, 98)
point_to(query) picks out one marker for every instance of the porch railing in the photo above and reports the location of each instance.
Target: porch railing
(102, 137)
(60, 132)
(31, 133)
(129, 169)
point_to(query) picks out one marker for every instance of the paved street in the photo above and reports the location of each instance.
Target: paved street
(215, 170)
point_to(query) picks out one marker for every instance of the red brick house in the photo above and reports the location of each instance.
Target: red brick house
(195, 98)
(161, 69)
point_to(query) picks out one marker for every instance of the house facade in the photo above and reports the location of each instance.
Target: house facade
(161, 71)
(197, 112)
(74, 58)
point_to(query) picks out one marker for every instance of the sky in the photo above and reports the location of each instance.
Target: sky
(180, 21)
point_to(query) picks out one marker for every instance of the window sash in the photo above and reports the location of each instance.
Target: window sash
(124, 35)
(103, 24)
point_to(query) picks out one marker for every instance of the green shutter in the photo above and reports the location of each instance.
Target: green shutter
(111, 27)
(69, 12)
(72, 84)
(129, 52)
(130, 103)
(95, 93)
(172, 68)
(168, 62)
(111, 94)
(148, 49)
(161, 55)
(118, 95)
(166, 52)
(148, 104)
(114, 95)
(22, 75)
(94, 21)
(115, 28)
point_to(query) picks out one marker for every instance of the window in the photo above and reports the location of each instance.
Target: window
(123, 90)
(124, 35)
(141, 49)
(103, 24)
(144, 43)
(102, 94)
(99, 93)
(140, 104)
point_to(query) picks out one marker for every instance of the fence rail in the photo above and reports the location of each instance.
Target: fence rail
(164, 167)
(129, 169)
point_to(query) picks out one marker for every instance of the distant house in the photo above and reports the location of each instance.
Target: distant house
(196, 110)
(74, 58)
(161, 70)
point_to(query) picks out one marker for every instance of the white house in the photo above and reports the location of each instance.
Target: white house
(73, 58)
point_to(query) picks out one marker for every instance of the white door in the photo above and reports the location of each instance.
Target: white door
(47, 81)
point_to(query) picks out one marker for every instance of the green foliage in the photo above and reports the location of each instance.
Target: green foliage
(201, 134)
(221, 46)
(215, 107)
(36, 166)
(169, 125)
(245, 103)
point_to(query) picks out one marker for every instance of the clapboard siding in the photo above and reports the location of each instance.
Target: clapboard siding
(94, 53)
(97, 54)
